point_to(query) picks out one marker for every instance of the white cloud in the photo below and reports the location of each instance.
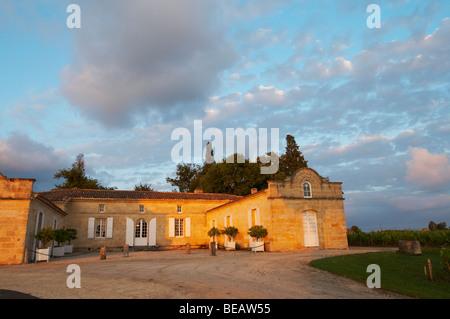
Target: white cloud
(163, 56)
(426, 169)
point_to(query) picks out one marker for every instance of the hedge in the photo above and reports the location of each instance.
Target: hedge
(390, 238)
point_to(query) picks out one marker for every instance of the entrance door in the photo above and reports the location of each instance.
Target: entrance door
(140, 233)
(310, 229)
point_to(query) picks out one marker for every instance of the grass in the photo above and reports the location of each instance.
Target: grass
(400, 273)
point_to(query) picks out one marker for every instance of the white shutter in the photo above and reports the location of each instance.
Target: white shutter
(91, 223)
(152, 233)
(171, 227)
(188, 227)
(129, 234)
(109, 227)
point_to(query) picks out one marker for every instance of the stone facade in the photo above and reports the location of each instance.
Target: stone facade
(22, 214)
(284, 210)
(303, 211)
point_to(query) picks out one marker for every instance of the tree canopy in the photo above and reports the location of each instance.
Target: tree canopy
(237, 175)
(76, 177)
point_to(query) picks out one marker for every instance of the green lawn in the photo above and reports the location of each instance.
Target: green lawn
(399, 273)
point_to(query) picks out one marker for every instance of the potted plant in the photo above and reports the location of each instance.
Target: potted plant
(231, 233)
(213, 232)
(45, 237)
(257, 232)
(60, 238)
(71, 235)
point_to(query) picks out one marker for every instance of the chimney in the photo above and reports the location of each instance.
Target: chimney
(254, 190)
(198, 191)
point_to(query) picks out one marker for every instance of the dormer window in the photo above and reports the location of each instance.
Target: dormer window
(101, 208)
(307, 190)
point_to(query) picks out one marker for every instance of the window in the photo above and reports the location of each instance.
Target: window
(101, 208)
(141, 229)
(141, 208)
(178, 208)
(179, 227)
(307, 190)
(100, 227)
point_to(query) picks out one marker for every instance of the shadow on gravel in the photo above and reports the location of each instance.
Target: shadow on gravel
(11, 294)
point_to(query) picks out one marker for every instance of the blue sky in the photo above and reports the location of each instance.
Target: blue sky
(368, 107)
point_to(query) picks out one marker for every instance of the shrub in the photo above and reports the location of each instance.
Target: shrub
(230, 231)
(71, 234)
(257, 231)
(45, 236)
(445, 260)
(213, 232)
(60, 236)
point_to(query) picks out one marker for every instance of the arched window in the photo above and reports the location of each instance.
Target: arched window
(307, 190)
(141, 229)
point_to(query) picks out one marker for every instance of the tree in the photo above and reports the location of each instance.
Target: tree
(291, 160)
(185, 176)
(76, 177)
(143, 187)
(441, 226)
(355, 229)
(432, 225)
(233, 177)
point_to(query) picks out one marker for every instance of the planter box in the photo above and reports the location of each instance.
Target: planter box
(58, 251)
(68, 249)
(257, 246)
(42, 254)
(231, 245)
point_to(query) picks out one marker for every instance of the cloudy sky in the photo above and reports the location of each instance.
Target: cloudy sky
(368, 106)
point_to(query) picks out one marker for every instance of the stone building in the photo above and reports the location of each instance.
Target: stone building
(22, 214)
(303, 211)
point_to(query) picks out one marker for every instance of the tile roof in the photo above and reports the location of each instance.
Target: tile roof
(67, 194)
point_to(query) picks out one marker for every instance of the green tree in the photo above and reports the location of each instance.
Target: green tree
(441, 226)
(291, 160)
(233, 177)
(76, 177)
(186, 174)
(432, 225)
(143, 187)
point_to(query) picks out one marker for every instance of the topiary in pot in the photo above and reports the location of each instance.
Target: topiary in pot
(257, 231)
(60, 236)
(45, 236)
(231, 232)
(214, 232)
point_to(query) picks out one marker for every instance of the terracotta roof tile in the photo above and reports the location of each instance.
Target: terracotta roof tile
(67, 194)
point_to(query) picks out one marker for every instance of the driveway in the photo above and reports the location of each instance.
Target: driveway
(172, 274)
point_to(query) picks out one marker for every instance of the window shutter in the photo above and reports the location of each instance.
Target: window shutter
(188, 227)
(171, 227)
(129, 235)
(109, 227)
(152, 232)
(91, 223)
(225, 222)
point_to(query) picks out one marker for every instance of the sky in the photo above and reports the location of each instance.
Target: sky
(369, 107)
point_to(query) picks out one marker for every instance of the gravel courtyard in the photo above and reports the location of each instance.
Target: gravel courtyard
(172, 274)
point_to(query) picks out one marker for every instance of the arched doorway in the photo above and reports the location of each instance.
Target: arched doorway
(310, 233)
(140, 233)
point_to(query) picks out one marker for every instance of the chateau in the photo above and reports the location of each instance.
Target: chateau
(304, 210)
